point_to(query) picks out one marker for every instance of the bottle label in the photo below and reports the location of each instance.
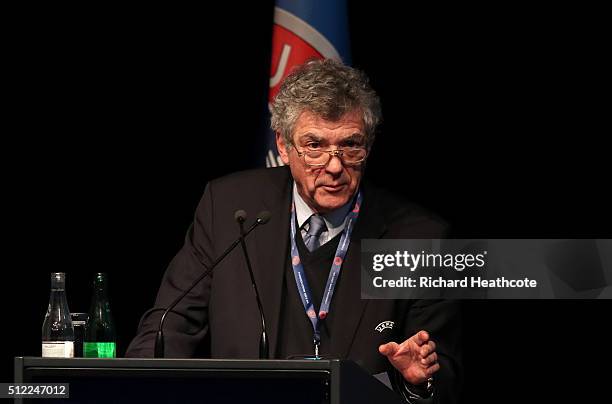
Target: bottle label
(99, 350)
(58, 349)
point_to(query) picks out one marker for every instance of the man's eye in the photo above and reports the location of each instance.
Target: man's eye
(313, 145)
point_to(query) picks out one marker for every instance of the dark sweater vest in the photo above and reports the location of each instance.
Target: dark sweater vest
(295, 329)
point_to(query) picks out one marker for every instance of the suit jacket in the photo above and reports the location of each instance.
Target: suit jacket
(219, 318)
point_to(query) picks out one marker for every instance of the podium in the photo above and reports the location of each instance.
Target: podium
(126, 380)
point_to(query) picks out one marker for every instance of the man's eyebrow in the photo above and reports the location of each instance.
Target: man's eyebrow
(309, 136)
(354, 136)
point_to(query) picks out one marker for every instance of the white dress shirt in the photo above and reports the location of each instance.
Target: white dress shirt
(334, 220)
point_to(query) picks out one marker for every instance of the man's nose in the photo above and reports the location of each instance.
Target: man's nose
(334, 166)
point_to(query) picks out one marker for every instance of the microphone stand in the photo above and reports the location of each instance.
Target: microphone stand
(263, 341)
(262, 218)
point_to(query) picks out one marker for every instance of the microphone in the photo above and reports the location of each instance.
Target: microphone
(262, 218)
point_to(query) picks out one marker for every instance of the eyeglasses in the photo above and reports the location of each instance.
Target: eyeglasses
(350, 156)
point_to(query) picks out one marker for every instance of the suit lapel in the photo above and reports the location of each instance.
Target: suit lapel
(349, 307)
(272, 246)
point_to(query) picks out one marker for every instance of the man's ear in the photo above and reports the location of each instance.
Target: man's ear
(283, 148)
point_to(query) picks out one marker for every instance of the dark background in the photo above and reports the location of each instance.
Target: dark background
(115, 119)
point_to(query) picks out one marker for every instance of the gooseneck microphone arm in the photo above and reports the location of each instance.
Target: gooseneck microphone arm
(240, 217)
(262, 218)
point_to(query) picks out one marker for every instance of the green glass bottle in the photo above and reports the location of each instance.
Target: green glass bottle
(100, 337)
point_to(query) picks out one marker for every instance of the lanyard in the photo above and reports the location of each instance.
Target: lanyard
(334, 272)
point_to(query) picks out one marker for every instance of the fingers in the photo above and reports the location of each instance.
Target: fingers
(416, 358)
(433, 369)
(432, 358)
(388, 349)
(421, 337)
(428, 348)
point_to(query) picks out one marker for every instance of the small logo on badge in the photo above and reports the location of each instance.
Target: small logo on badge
(311, 313)
(322, 314)
(337, 261)
(295, 260)
(384, 325)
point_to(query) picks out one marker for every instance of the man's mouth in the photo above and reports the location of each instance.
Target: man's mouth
(333, 188)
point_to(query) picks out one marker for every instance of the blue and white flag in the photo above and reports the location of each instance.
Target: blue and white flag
(304, 29)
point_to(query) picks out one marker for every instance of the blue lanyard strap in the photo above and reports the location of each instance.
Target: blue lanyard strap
(334, 272)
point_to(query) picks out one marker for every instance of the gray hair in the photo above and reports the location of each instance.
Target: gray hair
(328, 89)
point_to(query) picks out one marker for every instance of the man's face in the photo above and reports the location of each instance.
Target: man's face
(324, 188)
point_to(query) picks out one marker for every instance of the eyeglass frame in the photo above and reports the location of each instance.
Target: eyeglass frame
(332, 153)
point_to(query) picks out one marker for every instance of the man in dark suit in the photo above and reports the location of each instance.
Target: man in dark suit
(325, 117)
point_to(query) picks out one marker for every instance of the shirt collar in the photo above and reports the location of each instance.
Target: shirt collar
(334, 220)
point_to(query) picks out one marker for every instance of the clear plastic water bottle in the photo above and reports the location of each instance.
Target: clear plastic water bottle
(57, 329)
